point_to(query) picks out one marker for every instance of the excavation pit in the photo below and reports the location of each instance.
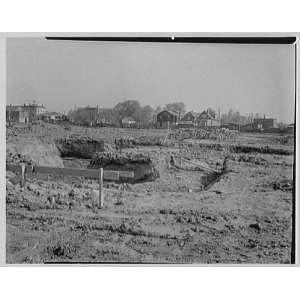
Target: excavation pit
(79, 147)
(140, 164)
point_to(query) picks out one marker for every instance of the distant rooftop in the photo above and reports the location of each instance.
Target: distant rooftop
(25, 105)
(34, 104)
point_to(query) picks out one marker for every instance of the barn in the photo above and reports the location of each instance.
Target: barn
(167, 119)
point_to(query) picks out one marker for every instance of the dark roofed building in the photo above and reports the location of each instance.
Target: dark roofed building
(263, 123)
(189, 116)
(188, 120)
(167, 119)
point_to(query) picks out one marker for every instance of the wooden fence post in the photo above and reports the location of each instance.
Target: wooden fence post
(22, 175)
(101, 188)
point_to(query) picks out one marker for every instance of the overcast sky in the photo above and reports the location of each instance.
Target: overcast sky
(61, 74)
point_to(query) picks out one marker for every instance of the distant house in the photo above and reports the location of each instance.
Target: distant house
(24, 113)
(206, 120)
(128, 122)
(167, 119)
(15, 114)
(189, 117)
(263, 123)
(188, 120)
(33, 110)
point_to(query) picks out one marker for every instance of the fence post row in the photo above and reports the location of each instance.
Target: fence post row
(95, 174)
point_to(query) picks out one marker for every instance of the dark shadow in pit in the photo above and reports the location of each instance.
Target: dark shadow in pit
(211, 178)
(140, 164)
(82, 148)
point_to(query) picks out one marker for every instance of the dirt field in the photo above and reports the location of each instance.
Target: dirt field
(244, 217)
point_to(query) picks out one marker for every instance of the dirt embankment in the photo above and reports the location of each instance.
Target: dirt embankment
(236, 148)
(50, 153)
(260, 149)
(34, 151)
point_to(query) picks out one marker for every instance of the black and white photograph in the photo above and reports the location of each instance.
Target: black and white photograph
(150, 149)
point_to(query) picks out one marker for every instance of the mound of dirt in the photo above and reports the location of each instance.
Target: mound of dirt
(238, 148)
(283, 185)
(143, 167)
(83, 147)
(285, 140)
(203, 134)
(33, 151)
(143, 140)
(253, 159)
(259, 149)
(127, 142)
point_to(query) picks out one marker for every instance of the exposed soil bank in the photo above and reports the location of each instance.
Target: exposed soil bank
(264, 150)
(79, 147)
(142, 165)
(130, 142)
(33, 151)
(246, 148)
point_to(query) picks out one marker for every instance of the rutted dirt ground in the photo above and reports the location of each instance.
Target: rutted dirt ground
(245, 217)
